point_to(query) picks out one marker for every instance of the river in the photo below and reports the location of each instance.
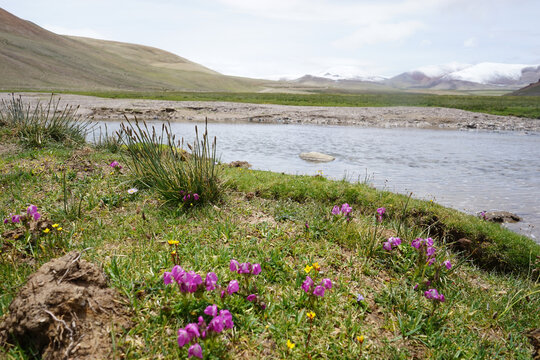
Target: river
(471, 171)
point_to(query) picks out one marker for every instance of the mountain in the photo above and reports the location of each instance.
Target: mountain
(529, 90)
(32, 58)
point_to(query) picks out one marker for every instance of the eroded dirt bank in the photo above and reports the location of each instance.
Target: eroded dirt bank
(390, 117)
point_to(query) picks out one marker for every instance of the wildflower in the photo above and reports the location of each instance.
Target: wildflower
(132, 191)
(319, 291)
(233, 287)
(183, 337)
(233, 266)
(211, 281)
(46, 231)
(211, 310)
(216, 324)
(115, 165)
(16, 219)
(433, 294)
(359, 298)
(245, 268)
(55, 225)
(360, 339)
(256, 269)
(316, 266)
(307, 284)
(195, 350)
(173, 252)
(381, 211)
(167, 278)
(448, 264)
(59, 229)
(193, 330)
(251, 298)
(173, 242)
(7, 220)
(31, 209)
(196, 197)
(308, 268)
(306, 226)
(310, 315)
(335, 210)
(227, 319)
(346, 209)
(290, 344)
(326, 283)
(391, 243)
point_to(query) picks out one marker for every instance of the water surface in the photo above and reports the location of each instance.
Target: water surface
(470, 171)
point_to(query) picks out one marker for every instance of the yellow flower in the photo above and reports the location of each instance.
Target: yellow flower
(360, 339)
(316, 266)
(173, 242)
(173, 252)
(55, 225)
(311, 315)
(46, 231)
(308, 268)
(59, 229)
(290, 344)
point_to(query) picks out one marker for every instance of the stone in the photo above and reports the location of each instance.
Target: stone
(501, 217)
(316, 157)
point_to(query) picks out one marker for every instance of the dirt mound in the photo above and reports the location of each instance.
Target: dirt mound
(66, 311)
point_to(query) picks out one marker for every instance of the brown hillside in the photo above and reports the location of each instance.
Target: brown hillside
(530, 90)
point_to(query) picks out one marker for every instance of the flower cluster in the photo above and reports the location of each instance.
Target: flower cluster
(391, 243)
(380, 212)
(309, 286)
(31, 213)
(344, 210)
(433, 294)
(189, 281)
(425, 246)
(245, 268)
(200, 330)
(189, 198)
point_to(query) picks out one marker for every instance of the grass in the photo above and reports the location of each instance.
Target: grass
(491, 298)
(522, 106)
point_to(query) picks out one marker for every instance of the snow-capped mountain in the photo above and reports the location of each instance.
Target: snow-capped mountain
(453, 75)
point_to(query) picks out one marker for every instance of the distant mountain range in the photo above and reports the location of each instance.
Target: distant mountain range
(441, 77)
(32, 58)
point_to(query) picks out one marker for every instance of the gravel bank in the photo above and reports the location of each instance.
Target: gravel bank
(385, 117)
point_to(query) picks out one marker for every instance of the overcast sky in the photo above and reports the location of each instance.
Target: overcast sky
(274, 38)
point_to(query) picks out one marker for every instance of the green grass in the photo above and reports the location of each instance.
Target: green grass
(261, 218)
(523, 106)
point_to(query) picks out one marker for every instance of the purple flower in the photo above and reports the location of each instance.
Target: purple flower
(251, 298)
(227, 318)
(307, 284)
(245, 268)
(429, 242)
(193, 330)
(326, 283)
(195, 350)
(431, 261)
(416, 243)
(193, 281)
(177, 273)
(381, 211)
(6, 220)
(196, 197)
(233, 287)
(448, 264)
(415, 287)
(346, 209)
(387, 246)
(211, 310)
(202, 324)
(183, 337)
(319, 291)
(217, 324)
(31, 209)
(433, 294)
(210, 281)
(335, 210)
(167, 278)
(391, 243)
(16, 219)
(306, 225)
(430, 251)
(233, 266)
(115, 165)
(359, 298)
(256, 270)
(36, 216)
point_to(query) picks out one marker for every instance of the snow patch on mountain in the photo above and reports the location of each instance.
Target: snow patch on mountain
(488, 73)
(348, 73)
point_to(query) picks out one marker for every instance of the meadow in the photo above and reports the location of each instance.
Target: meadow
(521, 106)
(297, 266)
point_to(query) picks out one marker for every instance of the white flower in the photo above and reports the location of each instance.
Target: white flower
(132, 191)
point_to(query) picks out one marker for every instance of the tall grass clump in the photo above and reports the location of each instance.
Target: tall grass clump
(112, 143)
(159, 161)
(39, 124)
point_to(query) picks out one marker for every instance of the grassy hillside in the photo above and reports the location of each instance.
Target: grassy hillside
(33, 58)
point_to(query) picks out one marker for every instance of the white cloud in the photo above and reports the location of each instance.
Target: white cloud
(470, 42)
(379, 32)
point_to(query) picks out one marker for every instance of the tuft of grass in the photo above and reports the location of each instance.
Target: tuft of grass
(36, 126)
(160, 162)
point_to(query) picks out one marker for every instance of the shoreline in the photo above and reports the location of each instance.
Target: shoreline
(106, 109)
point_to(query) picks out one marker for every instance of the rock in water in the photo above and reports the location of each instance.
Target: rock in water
(501, 217)
(316, 157)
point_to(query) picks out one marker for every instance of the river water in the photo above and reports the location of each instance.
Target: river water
(471, 171)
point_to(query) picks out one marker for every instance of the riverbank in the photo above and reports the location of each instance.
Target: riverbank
(103, 109)
(288, 225)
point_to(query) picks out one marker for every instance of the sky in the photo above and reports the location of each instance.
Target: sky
(289, 38)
